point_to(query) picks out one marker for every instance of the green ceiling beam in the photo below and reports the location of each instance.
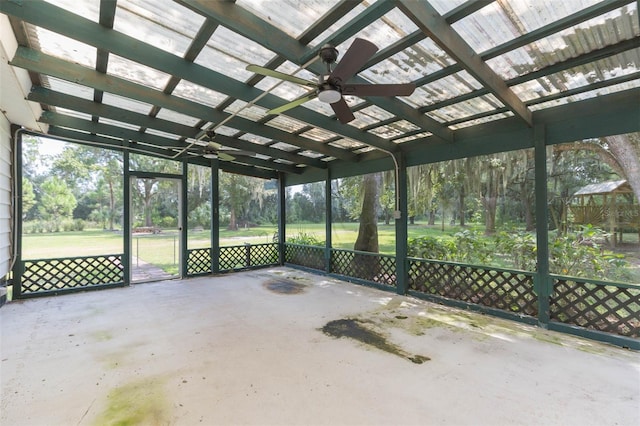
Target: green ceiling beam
(56, 19)
(351, 28)
(45, 64)
(552, 28)
(50, 97)
(601, 116)
(428, 20)
(245, 23)
(61, 120)
(339, 10)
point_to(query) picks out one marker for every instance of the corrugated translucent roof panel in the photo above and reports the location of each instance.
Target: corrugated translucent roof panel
(163, 134)
(69, 88)
(195, 92)
(285, 146)
(311, 154)
(283, 89)
(346, 143)
(285, 123)
(229, 53)
(167, 26)
(337, 25)
(602, 70)
(605, 30)
(126, 103)
(176, 117)
(586, 95)
(118, 123)
(260, 140)
(386, 132)
(444, 6)
(240, 108)
(138, 73)
(62, 47)
(482, 120)
(227, 131)
(467, 108)
(73, 113)
(89, 9)
(410, 64)
(319, 135)
(442, 89)
(291, 16)
(412, 137)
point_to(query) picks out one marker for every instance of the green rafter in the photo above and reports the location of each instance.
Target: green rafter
(248, 25)
(50, 97)
(429, 21)
(61, 120)
(71, 25)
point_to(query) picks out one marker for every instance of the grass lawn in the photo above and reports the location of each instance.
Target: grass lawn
(162, 249)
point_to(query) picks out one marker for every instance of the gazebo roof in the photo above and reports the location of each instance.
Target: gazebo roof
(604, 188)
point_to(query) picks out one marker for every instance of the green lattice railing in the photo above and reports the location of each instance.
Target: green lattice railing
(373, 267)
(248, 256)
(199, 261)
(53, 275)
(507, 290)
(304, 255)
(596, 305)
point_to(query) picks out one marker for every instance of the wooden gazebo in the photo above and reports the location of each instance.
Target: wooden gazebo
(609, 205)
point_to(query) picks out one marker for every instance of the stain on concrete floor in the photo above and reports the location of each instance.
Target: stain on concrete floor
(284, 286)
(356, 330)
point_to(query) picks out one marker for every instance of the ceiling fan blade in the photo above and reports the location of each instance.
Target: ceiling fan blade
(236, 152)
(343, 112)
(225, 157)
(358, 54)
(379, 89)
(293, 103)
(280, 75)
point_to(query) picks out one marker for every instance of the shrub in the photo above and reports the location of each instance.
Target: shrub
(471, 247)
(431, 248)
(305, 239)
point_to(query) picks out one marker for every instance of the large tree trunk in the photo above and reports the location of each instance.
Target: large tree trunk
(461, 204)
(233, 222)
(368, 231)
(628, 155)
(490, 203)
(526, 205)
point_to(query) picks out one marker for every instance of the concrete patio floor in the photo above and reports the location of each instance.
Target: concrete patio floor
(261, 348)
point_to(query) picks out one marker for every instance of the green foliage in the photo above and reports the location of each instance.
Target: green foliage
(429, 247)
(580, 254)
(471, 247)
(28, 197)
(201, 216)
(305, 239)
(56, 202)
(518, 248)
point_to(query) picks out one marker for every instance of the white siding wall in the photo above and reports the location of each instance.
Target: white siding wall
(5, 196)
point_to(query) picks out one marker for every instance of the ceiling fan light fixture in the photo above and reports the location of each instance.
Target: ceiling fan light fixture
(329, 96)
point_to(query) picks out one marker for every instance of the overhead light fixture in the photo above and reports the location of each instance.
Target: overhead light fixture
(329, 96)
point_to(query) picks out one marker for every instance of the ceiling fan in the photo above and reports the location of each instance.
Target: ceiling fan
(331, 87)
(211, 149)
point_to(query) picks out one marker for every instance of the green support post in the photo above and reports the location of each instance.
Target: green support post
(402, 276)
(215, 216)
(281, 217)
(184, 222)
(126, 219)
(328, 220)
(18, 267)
(542, 281)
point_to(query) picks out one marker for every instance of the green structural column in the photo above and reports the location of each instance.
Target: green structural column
(17, 266)
(184, 223)
(215, 216)
(402, 276)
(542, 280)
(281, 217)
(126, 217)
(328, 219)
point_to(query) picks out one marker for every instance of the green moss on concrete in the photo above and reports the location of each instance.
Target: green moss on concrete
(141, 402)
